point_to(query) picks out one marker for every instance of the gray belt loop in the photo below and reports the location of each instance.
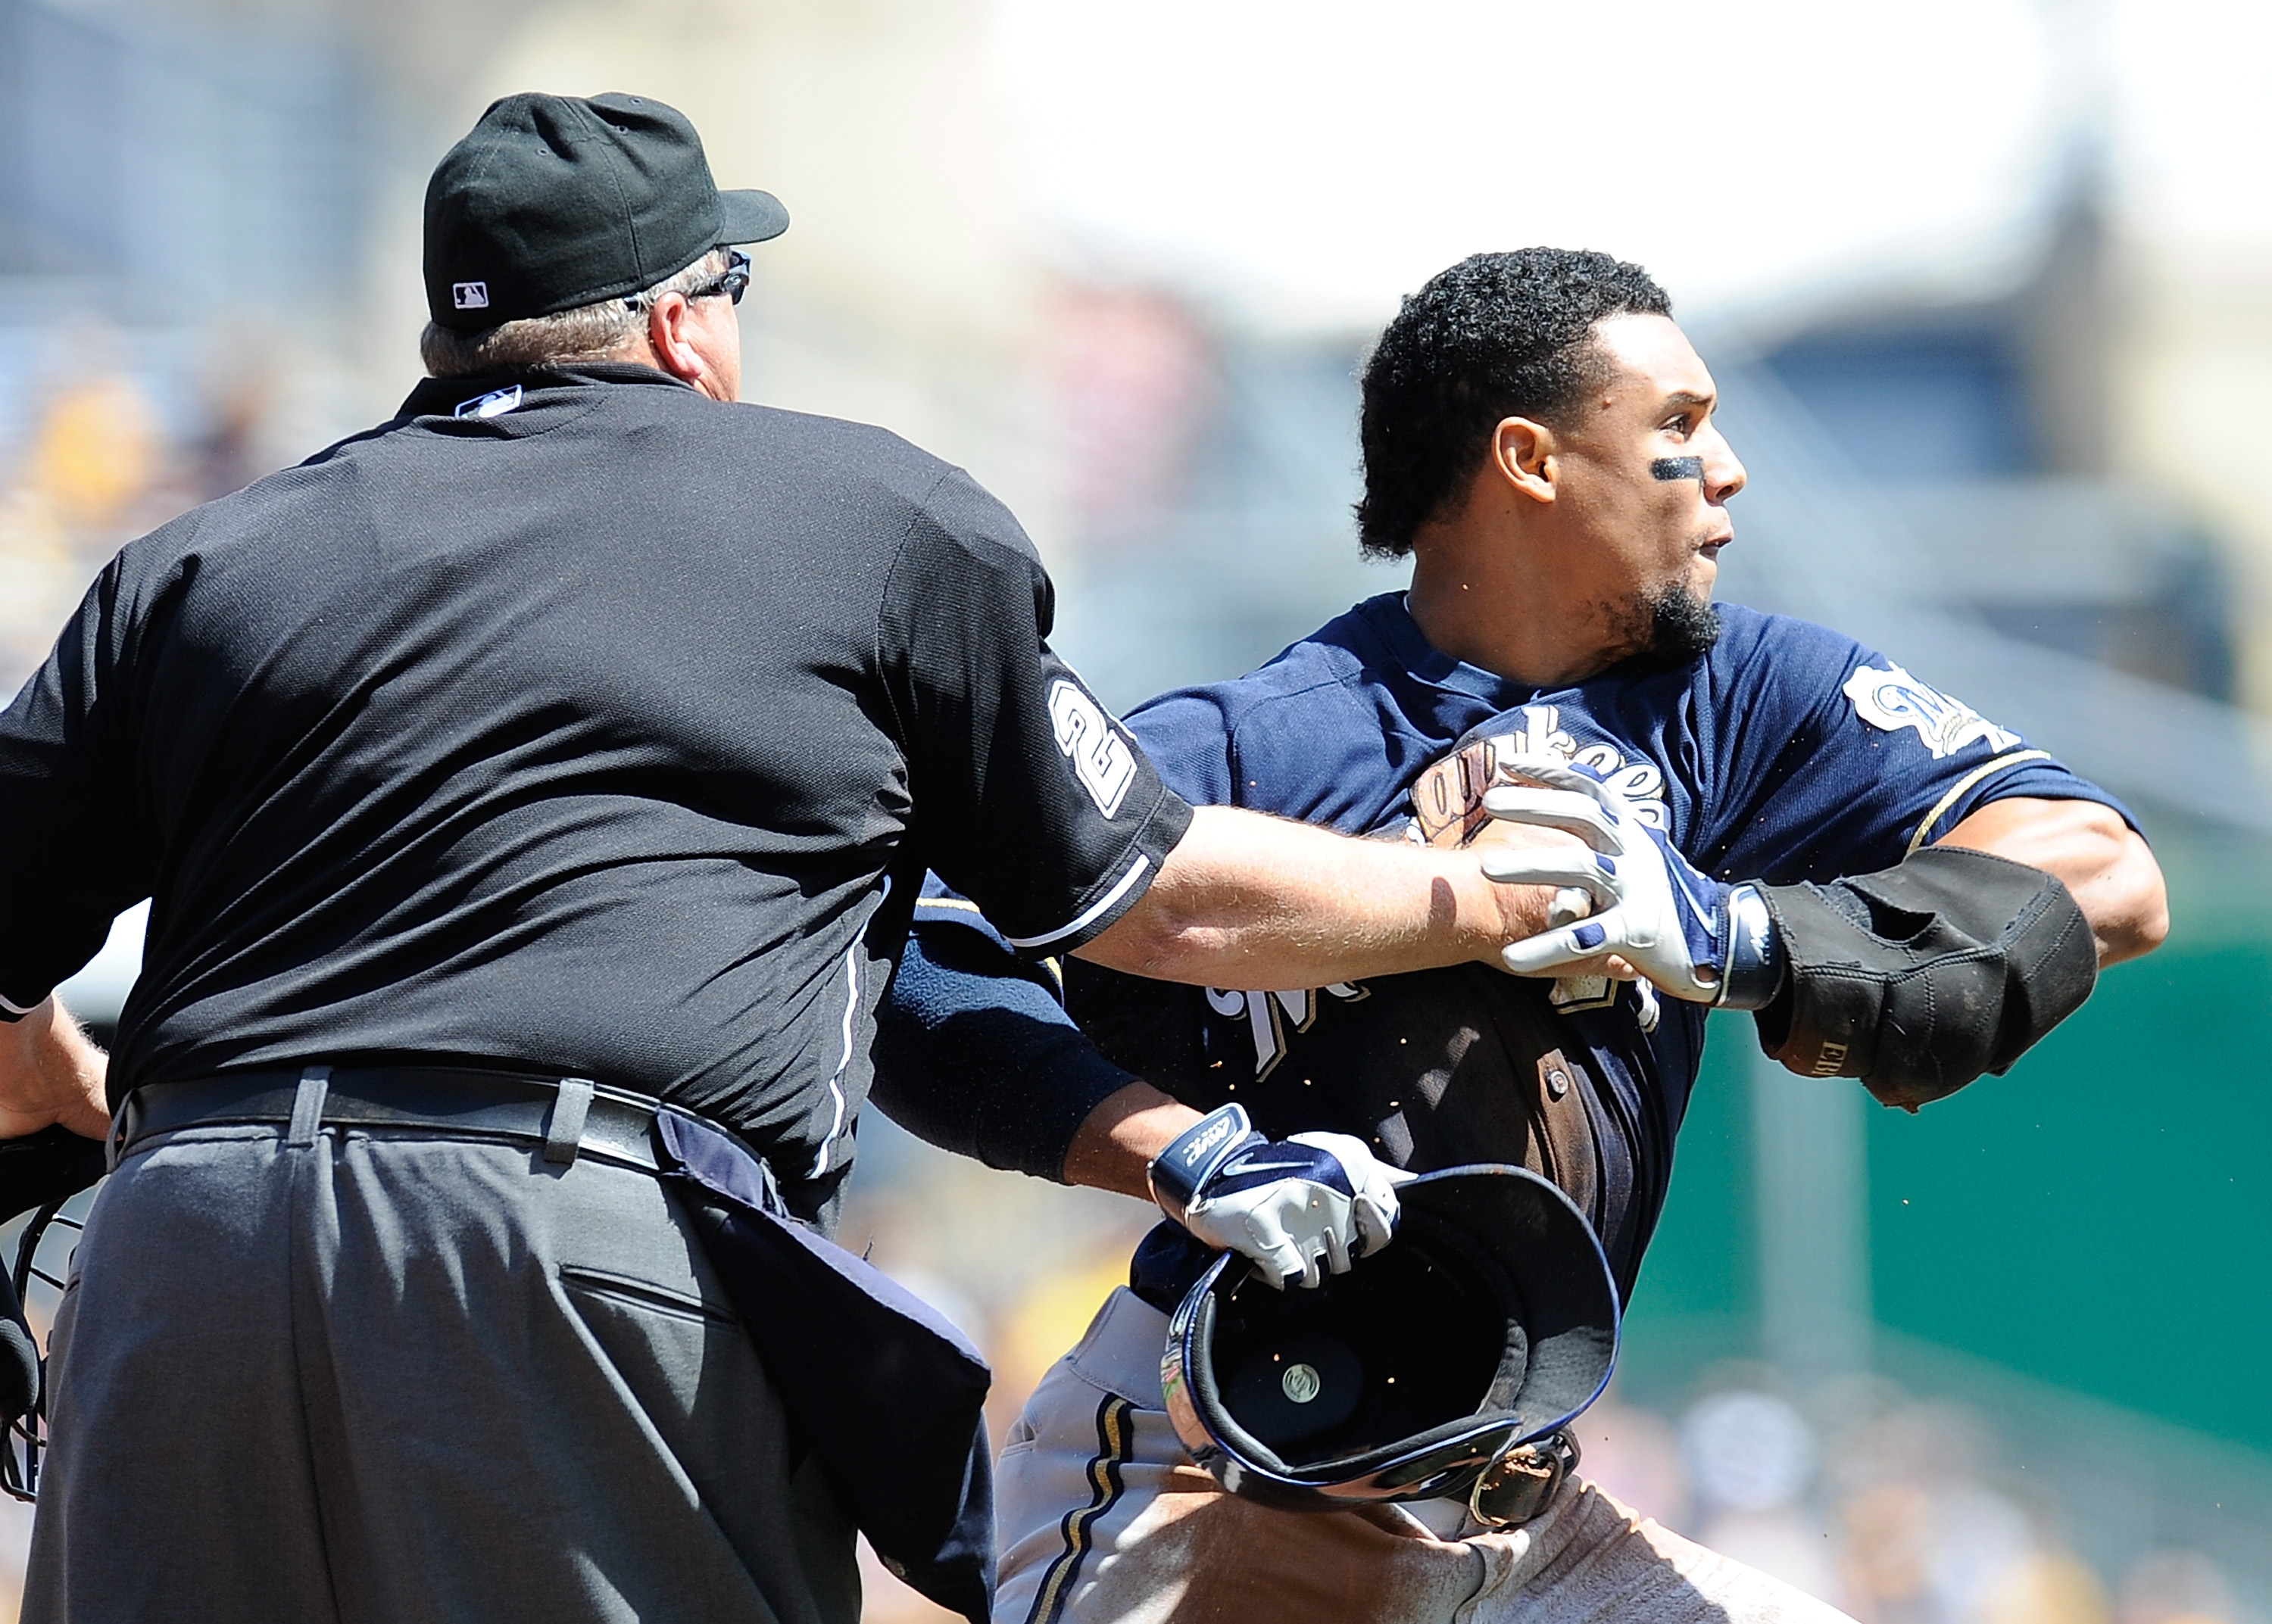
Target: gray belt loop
(307, 1105)
(564, 1129)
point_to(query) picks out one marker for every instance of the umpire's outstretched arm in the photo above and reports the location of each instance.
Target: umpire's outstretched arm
(1248, 900)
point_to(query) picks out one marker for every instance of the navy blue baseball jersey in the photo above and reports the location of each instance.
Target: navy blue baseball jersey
(1787, 752)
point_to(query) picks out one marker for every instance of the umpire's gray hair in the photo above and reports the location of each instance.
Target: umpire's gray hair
(586, 334)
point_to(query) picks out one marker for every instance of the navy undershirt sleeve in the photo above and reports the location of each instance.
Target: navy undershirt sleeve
(974, 1051)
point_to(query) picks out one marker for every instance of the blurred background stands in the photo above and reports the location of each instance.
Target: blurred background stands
(1997, 1362)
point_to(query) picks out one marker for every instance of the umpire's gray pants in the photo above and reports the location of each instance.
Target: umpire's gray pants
(383, 1377)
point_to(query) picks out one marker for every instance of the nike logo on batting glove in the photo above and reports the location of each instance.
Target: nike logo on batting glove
(1652, 907)
(1288, 1205)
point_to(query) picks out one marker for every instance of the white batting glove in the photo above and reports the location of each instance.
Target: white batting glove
(1651, 907)
(1286, 1203)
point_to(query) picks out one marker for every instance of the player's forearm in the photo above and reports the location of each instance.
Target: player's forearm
(1121, 1136)
(49, 1073)
(1245, 900)
(2108, 870)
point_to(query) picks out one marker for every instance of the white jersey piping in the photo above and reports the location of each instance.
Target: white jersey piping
(836, 1083)
(1092, 912)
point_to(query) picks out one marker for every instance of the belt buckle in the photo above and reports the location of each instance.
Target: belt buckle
(1521, 1483)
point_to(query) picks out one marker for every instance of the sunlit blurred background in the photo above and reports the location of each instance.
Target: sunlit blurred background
(1987, 285)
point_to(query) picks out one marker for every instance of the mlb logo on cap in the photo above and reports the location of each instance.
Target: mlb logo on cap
(560, 202)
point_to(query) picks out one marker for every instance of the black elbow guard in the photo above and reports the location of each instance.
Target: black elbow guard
(1919, 979)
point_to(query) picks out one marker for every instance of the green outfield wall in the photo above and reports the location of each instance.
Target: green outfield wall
(2100, 1220)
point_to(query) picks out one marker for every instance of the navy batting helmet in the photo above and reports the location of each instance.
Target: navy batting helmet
(1427, 1370)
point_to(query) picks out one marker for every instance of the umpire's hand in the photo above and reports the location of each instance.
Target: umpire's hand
(1287, 1203)
(50, 1074)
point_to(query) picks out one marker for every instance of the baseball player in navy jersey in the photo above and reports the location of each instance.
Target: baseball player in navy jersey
(1731, 808)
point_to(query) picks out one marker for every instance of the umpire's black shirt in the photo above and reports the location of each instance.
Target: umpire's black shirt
(605, 729)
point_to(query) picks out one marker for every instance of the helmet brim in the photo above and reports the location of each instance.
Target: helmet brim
(1494, 1308)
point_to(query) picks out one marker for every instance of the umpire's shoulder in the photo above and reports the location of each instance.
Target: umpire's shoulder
(866, 465)
(826, 447)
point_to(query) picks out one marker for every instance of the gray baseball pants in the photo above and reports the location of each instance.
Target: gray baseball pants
(398, 1377)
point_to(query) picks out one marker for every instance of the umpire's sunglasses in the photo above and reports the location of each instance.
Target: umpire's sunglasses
(733, 282)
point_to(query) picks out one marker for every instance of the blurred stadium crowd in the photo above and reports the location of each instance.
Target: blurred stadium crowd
(1182, 447)
(95, 450)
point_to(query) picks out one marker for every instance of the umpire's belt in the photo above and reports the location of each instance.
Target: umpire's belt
(568, 1116)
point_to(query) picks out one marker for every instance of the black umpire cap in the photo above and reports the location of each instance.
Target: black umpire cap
(1488, 1324)
(555, 201)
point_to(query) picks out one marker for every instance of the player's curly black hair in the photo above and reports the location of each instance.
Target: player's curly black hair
(1496, 336)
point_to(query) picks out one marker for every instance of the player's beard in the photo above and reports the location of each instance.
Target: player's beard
(1682, 623)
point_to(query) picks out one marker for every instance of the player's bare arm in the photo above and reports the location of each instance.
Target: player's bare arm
(1247, 901)
(50, 1073)
(1116, 1144)
(2103, 863)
